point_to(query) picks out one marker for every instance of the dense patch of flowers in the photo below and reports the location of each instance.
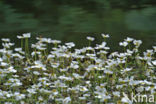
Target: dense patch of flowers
(53, 73)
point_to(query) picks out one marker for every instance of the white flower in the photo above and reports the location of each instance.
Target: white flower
(148, 54)
(39, 65)
(66, 100)
(83, 89)
(26, 35)
(54, 92)
(123, 44)
(55, 41)
(3, 64)
(7, 45)
(102, 45)
(91, 67)
(19, 96)
(82, 98)
(74, 65)
(31, 91)
(46, 40)
(40, 98)
(50, 56)
(129, 39)
(105, 35)
(36, 73)
(154, 62)
(18, 49)
(137, 42)
(154, 47)
(18, 83)
(77, 76)
(22, 102)
(5, 39)
(127, 69)
(11, 69)
(44, 79)
(140, 89)
(13, 82)
(35, 53)
(116, 93)
(64, 70)
(55, 65)
(70, 44)
(1, 59)
(20, 37)
(108, 71)
(90, 38)
(125, 100)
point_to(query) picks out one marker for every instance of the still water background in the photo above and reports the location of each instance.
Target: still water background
(70, 20)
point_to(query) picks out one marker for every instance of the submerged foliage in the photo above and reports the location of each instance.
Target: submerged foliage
(53, 73)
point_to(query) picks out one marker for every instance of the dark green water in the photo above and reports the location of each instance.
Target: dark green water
(74, 21)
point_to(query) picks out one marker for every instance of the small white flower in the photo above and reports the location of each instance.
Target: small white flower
(5, 39)
(1, 59)
(105, 35)
(18, 49)
(154, 47)
(3, 64)
(83, 89)
(154, 62)
(82, 98)
(40, 98)
(140, 89)
(127, 69)
(55, 41)
(125, 99)
(31, 91)
(36, 73)
(137, 43)
(20, 37)
(70, 44)
(116, 93)
(19, 96)
(26, 35)
(66, 100)
(129, 39)
(90, 38)
(46, 40)
(108, 72)
(11, 69)
(123, 44)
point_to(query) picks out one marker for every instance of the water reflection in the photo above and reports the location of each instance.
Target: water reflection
(74, 24)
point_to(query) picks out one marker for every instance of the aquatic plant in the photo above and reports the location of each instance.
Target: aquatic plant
(50, 72)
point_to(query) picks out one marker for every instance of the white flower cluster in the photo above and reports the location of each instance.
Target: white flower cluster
(54, 73)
